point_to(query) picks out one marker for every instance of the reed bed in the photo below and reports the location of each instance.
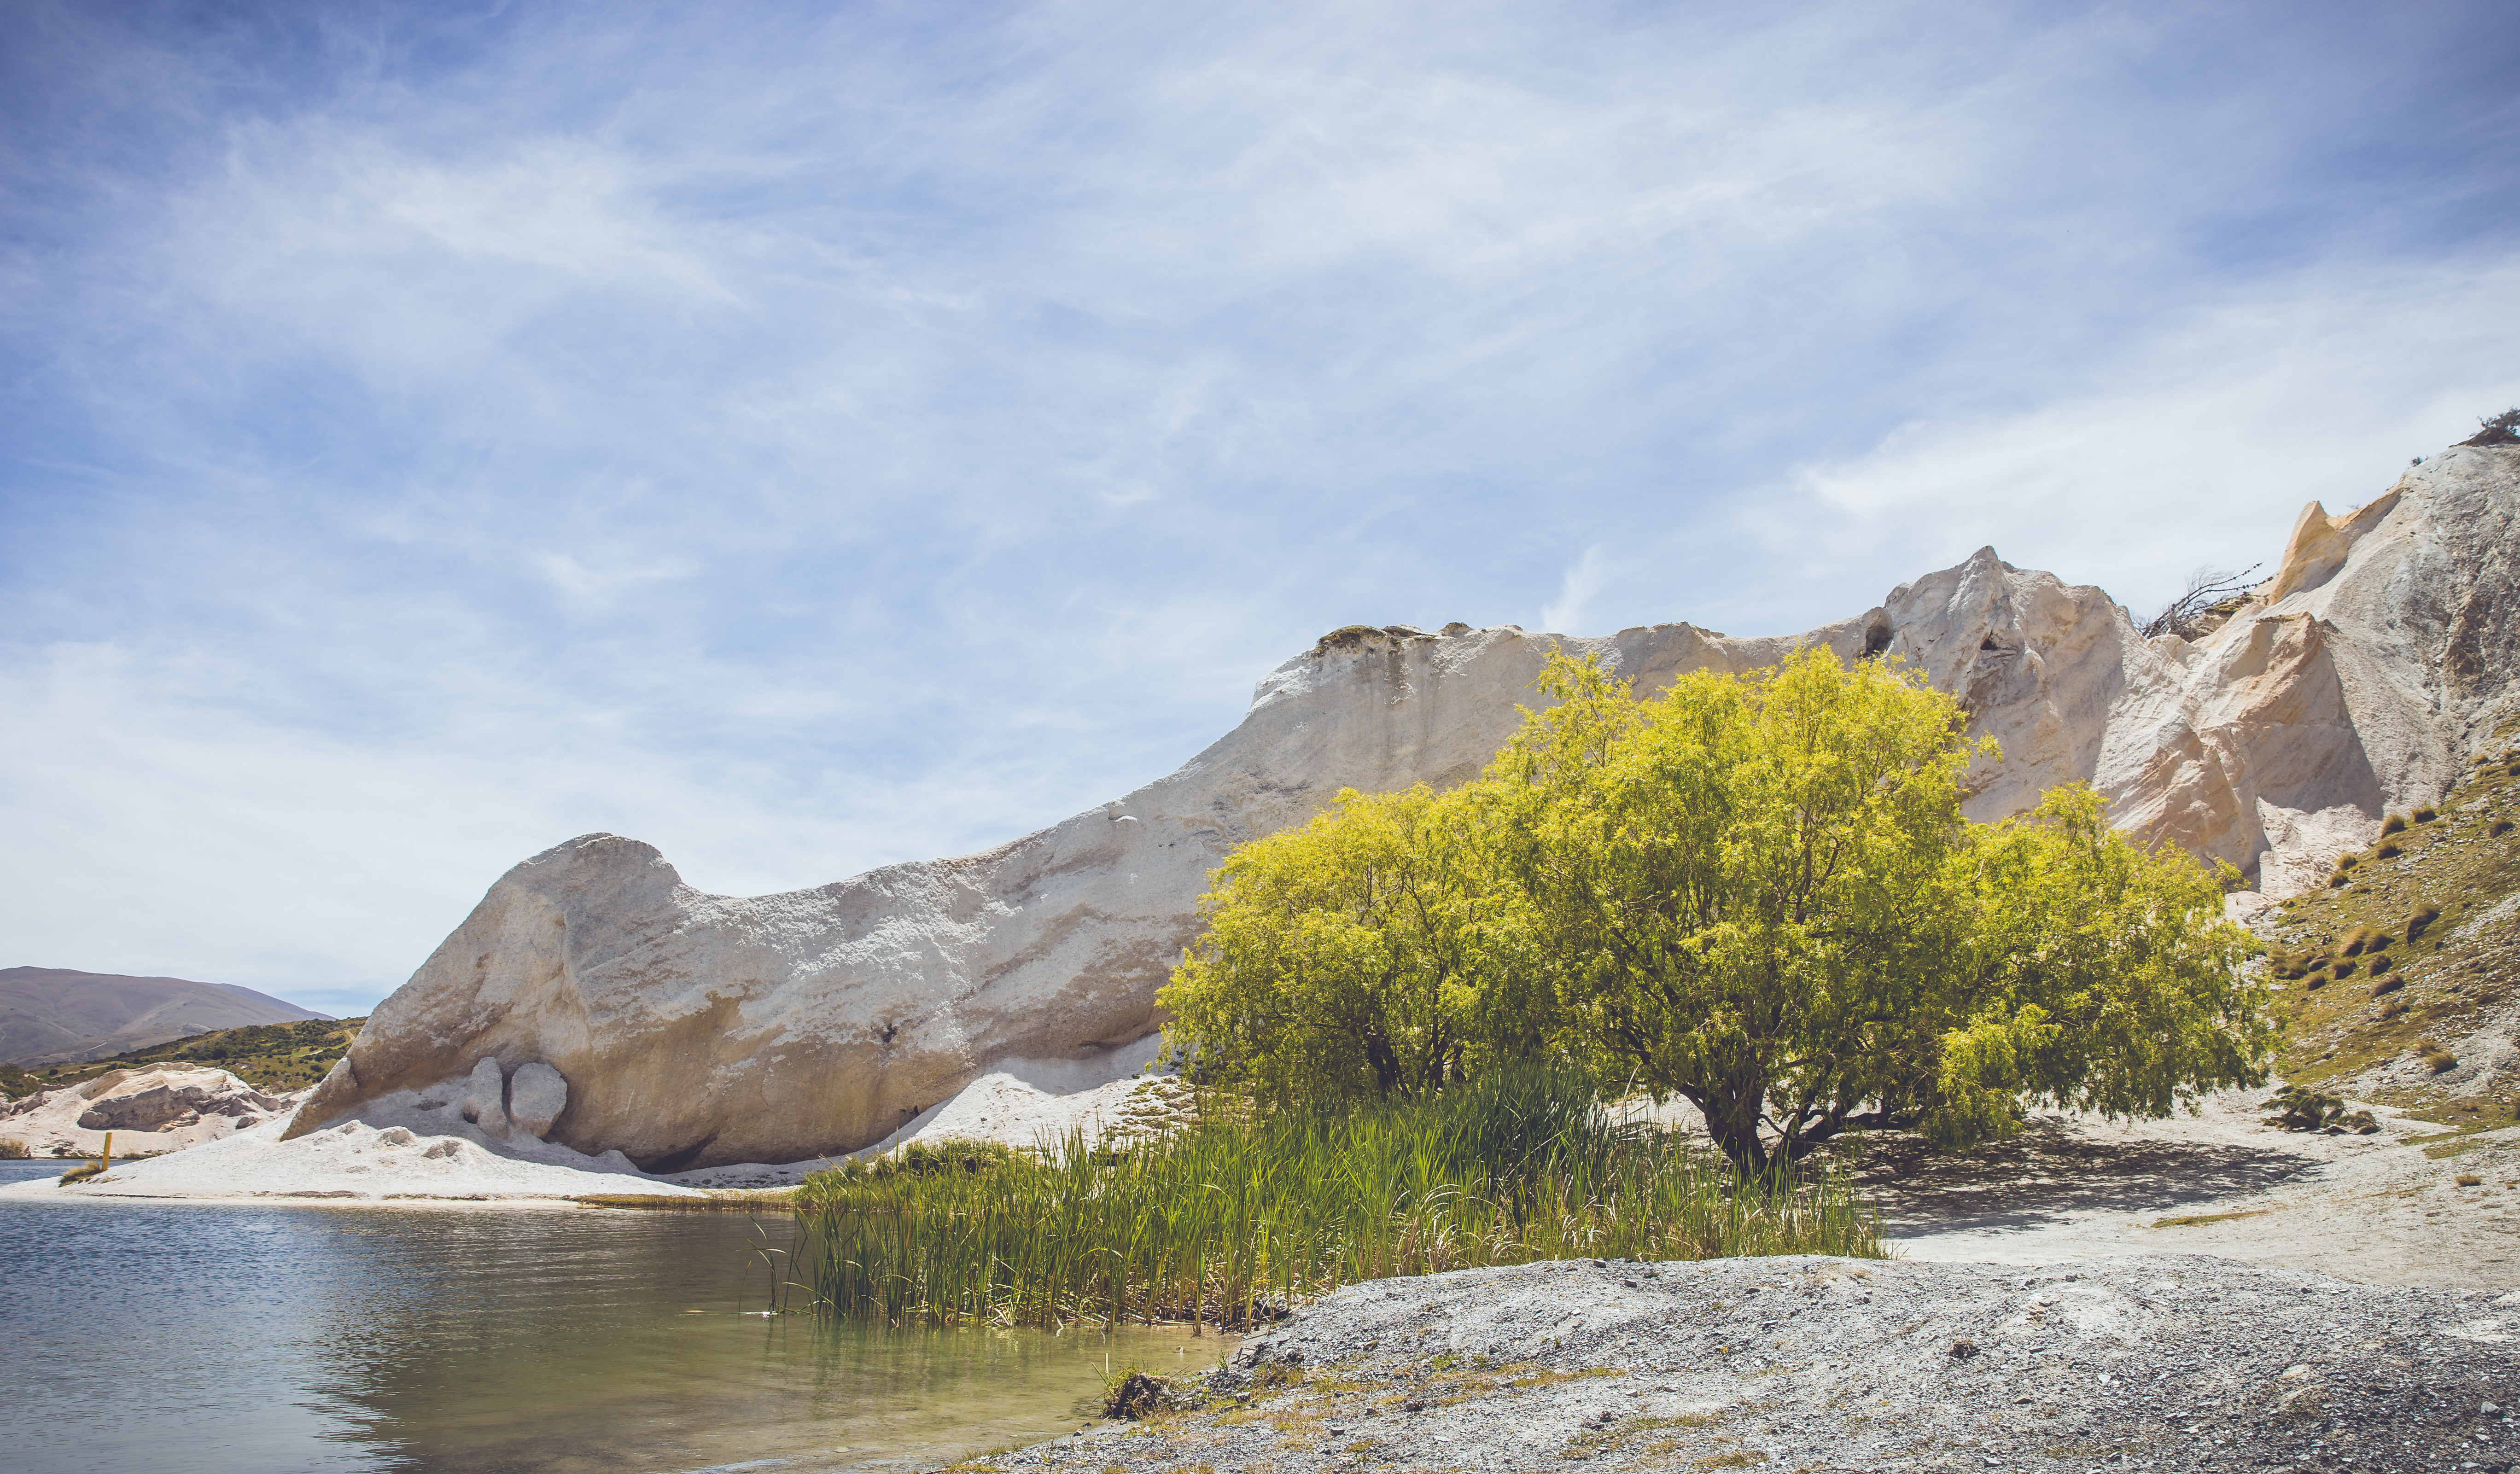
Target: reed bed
(1235, 1218)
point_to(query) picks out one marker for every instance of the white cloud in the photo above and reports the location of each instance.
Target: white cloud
(595, 586)
(1585, 577)
(2198, 445)
(810, 441)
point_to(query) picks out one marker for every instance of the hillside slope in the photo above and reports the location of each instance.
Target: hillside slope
(273, 1057)
(2402, 976)
(50, 1014)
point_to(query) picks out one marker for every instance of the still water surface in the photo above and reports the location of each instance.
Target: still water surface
(221, 1338)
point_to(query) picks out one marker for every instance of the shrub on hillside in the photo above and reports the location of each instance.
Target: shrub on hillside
(2497, 429)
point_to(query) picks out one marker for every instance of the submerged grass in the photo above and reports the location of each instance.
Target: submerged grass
(1233, 1219)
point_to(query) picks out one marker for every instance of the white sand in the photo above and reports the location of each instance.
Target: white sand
(355, 1163)
(411, 1149)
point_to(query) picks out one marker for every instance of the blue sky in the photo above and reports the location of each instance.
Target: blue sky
(807, 437)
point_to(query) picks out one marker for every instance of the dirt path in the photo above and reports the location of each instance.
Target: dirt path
(2376, 1209)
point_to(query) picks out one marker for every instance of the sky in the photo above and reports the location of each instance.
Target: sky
(807, 437)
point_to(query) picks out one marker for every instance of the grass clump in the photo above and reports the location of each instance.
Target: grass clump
(2305, 1109)
(1132, 1393)
(1233, 1219)
(2201, 1220)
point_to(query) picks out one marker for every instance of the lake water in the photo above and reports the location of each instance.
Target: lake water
(213, 1339)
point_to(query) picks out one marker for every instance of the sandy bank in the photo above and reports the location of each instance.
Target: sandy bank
(353, 1163)
(412, 1149)
(2383, 1209)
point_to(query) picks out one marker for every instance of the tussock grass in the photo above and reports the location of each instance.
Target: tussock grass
(1235, 1218)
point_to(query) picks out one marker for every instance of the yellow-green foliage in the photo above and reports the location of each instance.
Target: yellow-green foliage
(1241, 1213)
(1756, 892)
(1361, 952)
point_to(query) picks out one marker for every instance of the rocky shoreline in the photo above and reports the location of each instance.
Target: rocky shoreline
(2181, 1362)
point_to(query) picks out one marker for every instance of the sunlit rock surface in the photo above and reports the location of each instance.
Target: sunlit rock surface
(695, 1030)
(154, 1108)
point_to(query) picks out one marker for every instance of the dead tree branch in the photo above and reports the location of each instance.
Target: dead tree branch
(2207, 588)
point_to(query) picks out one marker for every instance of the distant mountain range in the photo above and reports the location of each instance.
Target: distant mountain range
(53, 1014)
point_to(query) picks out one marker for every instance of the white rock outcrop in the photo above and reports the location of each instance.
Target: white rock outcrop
(148, 1110)
(696, 1029)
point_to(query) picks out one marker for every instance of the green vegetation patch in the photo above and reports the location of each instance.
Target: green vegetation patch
(270, 1058)
(1237, 1215)
(2404, 920)
(777, 1201)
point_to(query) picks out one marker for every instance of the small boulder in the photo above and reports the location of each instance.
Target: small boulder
(146, 1110)
(536, 1095)
(486, 1102)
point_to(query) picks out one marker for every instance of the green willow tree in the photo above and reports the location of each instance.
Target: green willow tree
(1363, 953)
(1757, 893)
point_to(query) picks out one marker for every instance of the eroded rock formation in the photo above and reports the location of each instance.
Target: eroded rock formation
(150, 1109)
(695, 1030)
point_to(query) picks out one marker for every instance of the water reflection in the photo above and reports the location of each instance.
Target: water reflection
(220, 1338)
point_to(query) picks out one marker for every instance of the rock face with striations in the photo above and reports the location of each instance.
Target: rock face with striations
(695, 1030)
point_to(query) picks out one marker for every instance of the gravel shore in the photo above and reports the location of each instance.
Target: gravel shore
(2180, 1362)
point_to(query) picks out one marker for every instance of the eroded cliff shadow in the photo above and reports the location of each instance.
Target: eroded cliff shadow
(2048, 1174)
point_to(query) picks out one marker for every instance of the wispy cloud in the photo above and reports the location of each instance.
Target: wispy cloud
(813, 436)
(1584, 579)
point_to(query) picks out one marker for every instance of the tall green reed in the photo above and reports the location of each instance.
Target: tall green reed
(1233, 1219)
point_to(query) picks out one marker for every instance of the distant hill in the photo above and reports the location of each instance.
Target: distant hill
(49, 1014)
